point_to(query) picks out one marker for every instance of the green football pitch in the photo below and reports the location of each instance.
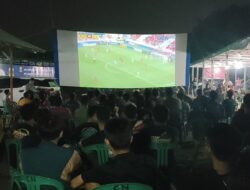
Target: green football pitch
(114, 66)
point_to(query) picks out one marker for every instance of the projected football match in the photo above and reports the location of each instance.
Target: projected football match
(111, 60)
(126, 61)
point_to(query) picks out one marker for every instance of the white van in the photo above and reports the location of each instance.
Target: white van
(19, 87)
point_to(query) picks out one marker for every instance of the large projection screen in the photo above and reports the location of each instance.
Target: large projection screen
(106, 60)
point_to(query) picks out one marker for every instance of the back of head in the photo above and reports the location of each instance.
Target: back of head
(169, 92)
(160, 113)
(97, 93)
(199, 92)
(230, 94)
(92, 111)
(6, 92)
(120, 93)
(112, 97)
(155, 92)
(239, 178)
(50, 126)
(126, 96)
(28, 94)
(147, 93)
(213, 95)
(103, 99)
(72, 96)
(136, 93)
(182, 90)
(55, 100)
(130, 112)
(90, 94)
(180, 95)
(140, 101)
(225, 142)
(102, 113)
(84, 99)
(27, 111)
(42, 95)
(119, 133)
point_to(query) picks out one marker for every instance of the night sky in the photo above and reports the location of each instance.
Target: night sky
(35, 20)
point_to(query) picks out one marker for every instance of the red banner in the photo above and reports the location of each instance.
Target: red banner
(218, 73)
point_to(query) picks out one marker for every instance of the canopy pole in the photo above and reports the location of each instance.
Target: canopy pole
(226, 75)
(11, 72)
(192, 79)
(235, 77)
(245, 79)
(212, 72)
(197, 73)
(202, 78)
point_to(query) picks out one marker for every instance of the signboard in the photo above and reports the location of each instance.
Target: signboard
(23, 71)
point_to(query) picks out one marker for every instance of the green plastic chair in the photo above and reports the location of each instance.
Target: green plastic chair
(32, 182)
(100, 149)
(14, 157)
(124, 186)
(162, 147)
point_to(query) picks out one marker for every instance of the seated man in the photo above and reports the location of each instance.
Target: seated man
(72, 103)
(26, 128)
(48, 159)
(129, 112)
(160, 126)
(241, 119)
(224, 143)
(57, 108)
(80, 115)
(240, 175)
(200, 102)
(27, 98)
(92, 135)
(124, 166)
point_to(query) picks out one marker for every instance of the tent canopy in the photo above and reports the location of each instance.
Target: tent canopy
(219, 30)
(235, 55)
(8, 40)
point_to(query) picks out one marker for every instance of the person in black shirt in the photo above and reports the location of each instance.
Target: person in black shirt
(100, 117)
(160, 127)
(200, 102)
(229, 104)
(224, 143)
(215, 110)
(239, 178)
(26, 129)
(241, 119)
(124, 166)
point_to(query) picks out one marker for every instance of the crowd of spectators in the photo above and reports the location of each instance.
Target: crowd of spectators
(54, 129)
